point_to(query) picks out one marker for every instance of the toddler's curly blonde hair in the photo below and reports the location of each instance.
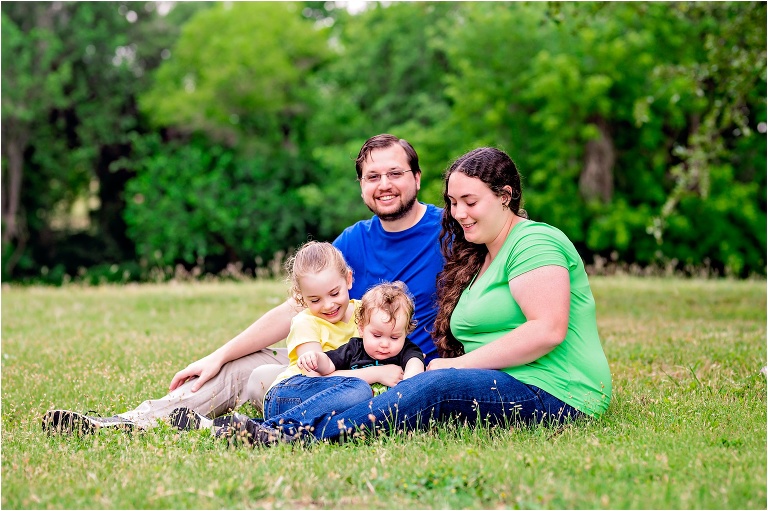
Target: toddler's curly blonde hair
(389, 297)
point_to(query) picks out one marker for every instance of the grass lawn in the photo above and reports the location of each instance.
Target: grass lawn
(686, 427)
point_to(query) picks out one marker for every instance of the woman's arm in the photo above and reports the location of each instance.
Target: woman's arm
(544, 296)
(389, 375)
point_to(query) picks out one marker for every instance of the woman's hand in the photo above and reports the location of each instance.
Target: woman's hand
(446, 363)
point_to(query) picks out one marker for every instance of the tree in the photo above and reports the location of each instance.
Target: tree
(602, 106)
(238, 74)
(234, 102)
(32, 84)
(729, 74)
(71, 71)
(386, 77)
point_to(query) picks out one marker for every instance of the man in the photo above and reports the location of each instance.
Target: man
(400, 242)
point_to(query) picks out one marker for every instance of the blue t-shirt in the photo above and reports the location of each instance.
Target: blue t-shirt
(412, 256)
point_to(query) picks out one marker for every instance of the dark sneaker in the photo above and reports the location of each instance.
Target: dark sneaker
(249, 432)
(185, 418)
(68, 422)
(222, 422)
(235, 430)
(226, 420)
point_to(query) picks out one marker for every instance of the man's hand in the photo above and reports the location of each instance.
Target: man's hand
(203, 370)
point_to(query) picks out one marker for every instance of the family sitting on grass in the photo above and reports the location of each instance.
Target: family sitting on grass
(503, 312)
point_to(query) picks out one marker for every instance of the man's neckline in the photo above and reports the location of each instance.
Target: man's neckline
(403, 224)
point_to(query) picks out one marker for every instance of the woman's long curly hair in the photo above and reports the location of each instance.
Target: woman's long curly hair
(464, 259)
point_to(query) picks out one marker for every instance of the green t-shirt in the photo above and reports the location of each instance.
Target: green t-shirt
(576, 371)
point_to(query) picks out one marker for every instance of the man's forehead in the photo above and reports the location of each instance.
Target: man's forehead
(388, 158)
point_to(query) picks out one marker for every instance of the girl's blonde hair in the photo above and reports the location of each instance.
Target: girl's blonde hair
(312, 258)
(389, 297)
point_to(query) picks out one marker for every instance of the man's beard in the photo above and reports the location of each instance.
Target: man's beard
(399, 213)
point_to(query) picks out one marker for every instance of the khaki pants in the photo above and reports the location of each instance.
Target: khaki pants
(241, 380)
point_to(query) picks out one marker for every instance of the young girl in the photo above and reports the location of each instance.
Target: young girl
(383, 354)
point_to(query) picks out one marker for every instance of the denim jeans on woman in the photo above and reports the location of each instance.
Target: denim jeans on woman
(483, 396)
(310, 401)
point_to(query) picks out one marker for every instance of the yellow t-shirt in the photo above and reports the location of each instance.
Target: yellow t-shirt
(306, 327)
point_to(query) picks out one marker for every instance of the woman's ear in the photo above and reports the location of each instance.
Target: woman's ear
(507, 197)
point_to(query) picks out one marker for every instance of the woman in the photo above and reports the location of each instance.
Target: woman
(516, 325)
(513, 295)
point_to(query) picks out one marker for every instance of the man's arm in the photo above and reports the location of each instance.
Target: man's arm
(269, 329)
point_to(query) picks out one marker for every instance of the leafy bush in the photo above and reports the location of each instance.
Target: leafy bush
(203, 205)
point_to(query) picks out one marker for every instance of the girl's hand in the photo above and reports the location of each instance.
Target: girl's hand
(308, 362)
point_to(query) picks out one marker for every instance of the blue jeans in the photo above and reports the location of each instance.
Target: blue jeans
(483, 396)
(311, 403)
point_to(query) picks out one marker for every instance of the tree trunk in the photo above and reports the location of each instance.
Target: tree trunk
(14, 149)
(596, 181)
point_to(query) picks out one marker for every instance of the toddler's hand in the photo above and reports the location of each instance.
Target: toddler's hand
(390, 375)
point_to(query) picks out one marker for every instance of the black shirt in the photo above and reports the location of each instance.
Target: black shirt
(353, 356)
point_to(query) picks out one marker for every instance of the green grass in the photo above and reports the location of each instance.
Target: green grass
(686, 428)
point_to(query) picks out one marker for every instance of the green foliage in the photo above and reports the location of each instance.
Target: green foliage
(196, 201)
(639, 128)
(728, 76)
(239, 70)
(35, 75)
(240, 190)
(382, 77)
(734, 239)
(686, 428)
(71, 71)
(544, 83)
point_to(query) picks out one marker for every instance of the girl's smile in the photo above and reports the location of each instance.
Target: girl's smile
(326, 295)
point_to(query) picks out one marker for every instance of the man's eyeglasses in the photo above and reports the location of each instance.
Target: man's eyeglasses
(392, 175)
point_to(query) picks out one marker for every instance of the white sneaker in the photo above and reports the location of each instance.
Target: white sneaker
(68, 422)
